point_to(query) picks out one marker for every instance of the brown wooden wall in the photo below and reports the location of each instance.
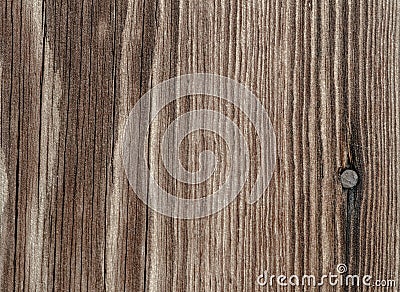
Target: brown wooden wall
(327, 73)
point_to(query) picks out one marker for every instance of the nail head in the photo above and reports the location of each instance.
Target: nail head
(349, 178)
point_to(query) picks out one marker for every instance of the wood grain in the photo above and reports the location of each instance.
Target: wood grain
(327, 73)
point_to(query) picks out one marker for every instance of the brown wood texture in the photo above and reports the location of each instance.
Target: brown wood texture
(327, 73)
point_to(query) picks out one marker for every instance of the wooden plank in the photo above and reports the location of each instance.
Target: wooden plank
(327, 74)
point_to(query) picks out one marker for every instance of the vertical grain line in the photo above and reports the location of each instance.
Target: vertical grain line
(115, 222)
(4, 194)
(50, 94)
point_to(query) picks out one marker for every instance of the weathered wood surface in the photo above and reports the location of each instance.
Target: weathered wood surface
(327, 73)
